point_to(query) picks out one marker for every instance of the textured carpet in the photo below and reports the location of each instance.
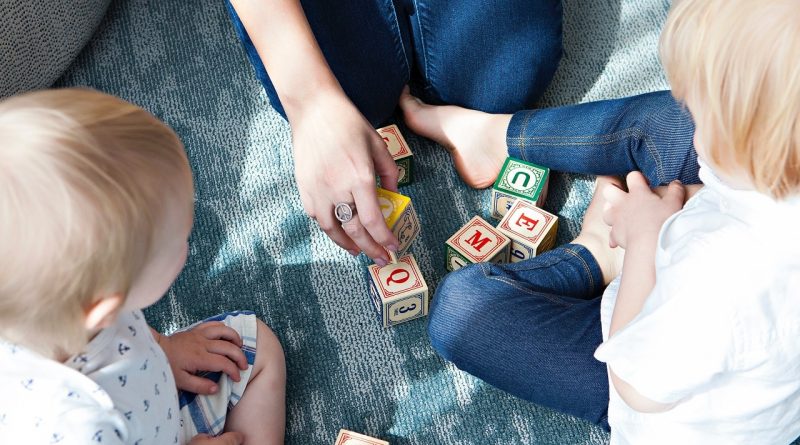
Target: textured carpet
(253, 248)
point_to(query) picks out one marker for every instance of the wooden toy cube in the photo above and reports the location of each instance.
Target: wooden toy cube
(400, 217)
(518, 179)
(401, 153)
(346, 437)
(398, 291)
(476, 242)
(530, 229)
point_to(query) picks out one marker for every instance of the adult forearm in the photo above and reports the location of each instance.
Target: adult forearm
(283, 38)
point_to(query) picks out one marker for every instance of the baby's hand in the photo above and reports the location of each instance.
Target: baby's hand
(639, 213)
(210, 346)
(229, 438)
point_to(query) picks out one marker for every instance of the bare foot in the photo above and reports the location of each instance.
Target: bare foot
(595, 233)
(476, 140)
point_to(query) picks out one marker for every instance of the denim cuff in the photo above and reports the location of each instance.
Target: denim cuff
(515, 135)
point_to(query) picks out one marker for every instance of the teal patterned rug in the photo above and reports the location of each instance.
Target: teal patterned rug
(253, 248)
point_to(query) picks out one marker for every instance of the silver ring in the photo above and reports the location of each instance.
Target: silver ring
(344, 212)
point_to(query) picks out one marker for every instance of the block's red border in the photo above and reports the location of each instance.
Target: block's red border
(548, 218)
(477, 221)
(385, 294)
(404, 150)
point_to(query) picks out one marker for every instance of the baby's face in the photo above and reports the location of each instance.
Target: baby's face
(168, 255)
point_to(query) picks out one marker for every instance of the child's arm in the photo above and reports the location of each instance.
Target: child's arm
(209, 346)
(636, 218)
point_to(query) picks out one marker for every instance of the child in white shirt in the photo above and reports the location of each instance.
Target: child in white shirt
(697, 338)
(96, 198)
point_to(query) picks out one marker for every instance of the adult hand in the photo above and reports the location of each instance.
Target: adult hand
(337, 155)
(230, 438)
(210, 346)
(639, 213)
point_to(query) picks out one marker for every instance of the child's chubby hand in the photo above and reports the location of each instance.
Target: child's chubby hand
(639, 213)
(229, 438)
(210, 346)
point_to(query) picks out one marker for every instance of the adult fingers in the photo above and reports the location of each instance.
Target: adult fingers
(385, 167)
(371, 217)
(333, 228)
(230, 350)
(355, 230)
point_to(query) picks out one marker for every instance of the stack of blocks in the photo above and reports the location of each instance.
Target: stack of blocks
(398, 290)
(525, 230)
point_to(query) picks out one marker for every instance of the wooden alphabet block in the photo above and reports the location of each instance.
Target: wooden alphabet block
(476, 242)
(531, 230)
(518, 179)
(398, 291)
(346, 437)
(401, 153)
(400, 217)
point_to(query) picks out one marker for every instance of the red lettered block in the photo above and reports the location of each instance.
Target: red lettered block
(398, 291)
(531, 230)
(346, 437)
(476, 242)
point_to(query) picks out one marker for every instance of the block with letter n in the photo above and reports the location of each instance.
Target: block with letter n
(400, 217)
(401, 153)
(476, 242)
(518, 179)
(398, 291)
(531, 230)
(346, 437)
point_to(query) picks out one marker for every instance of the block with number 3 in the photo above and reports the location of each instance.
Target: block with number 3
(346, 437)
(531, 230)
(399, 214)
(518, 179)
(476, 242)
(398, 291)
(401, 153)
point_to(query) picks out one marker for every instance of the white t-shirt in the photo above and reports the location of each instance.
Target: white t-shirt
(120, 391)
(720, 332)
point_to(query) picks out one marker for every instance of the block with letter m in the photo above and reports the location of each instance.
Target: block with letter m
(476, 242)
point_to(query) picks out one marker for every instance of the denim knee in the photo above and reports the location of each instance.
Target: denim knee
(453, 310)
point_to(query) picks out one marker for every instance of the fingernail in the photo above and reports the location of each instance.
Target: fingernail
(214, 389)
(380, 262)
(353, 252)
(677, 181)
(392, 247)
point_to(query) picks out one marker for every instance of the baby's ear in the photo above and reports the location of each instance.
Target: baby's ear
(102, 312)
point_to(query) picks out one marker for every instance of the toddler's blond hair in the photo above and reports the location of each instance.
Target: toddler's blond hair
(734, 63)
(84, 180)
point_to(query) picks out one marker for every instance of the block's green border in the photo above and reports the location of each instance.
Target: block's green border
(408, 164)
(451, 252)
(538, 192)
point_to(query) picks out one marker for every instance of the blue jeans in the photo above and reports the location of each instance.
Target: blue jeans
(529, 328)
(452, 54)
(651, 133)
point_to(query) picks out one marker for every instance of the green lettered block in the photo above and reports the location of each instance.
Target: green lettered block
(518, 179)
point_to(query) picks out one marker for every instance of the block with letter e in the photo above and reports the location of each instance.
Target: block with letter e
(400, 217)
(530, 229)
(398, 291)
(401, 153)
(346, 437)
(476, 242)
(518, 179)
